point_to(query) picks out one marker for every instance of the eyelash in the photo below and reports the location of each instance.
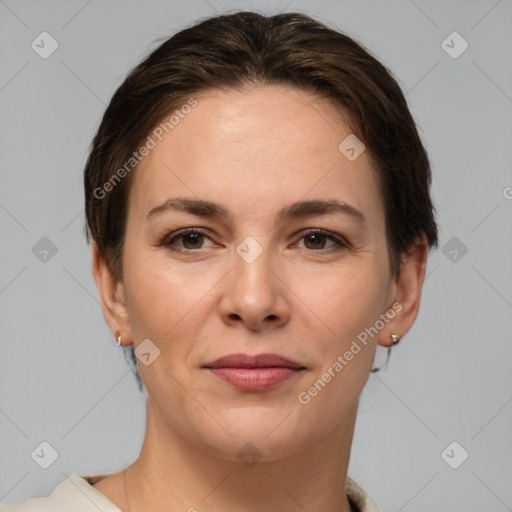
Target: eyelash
(168, 240)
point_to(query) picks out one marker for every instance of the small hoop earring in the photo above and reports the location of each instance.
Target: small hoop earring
(119, 341)
(394, 340)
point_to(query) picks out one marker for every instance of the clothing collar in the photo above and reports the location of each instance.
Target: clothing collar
(81, 485)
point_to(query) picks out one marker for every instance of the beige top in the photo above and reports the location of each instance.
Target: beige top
(76, 494)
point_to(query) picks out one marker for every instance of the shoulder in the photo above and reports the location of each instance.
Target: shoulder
(73, 493)
(358, 498)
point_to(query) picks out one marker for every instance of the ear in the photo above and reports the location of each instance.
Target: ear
(112, 297)
(407, 289)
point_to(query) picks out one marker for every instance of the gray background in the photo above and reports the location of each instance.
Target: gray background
(63, 378)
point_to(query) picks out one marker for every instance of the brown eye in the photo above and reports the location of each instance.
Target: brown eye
(192, 240)
(315, 240)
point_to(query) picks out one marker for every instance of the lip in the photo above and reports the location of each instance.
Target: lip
(254, 361)
(254, 373)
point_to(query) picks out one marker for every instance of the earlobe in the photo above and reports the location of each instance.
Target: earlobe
(408, 286)
(112, 296)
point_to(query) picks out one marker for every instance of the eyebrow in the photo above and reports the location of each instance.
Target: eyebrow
(299, 209)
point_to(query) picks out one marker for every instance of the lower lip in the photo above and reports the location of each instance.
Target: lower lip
(255, 379)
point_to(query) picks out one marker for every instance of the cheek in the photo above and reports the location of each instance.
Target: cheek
(163, 307)
(166, 300)
(157, 300)
(345, 300)
(348, 303)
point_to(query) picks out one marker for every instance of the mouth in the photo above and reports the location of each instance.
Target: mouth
(254, 373)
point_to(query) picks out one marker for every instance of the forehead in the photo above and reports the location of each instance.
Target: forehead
(255, 149)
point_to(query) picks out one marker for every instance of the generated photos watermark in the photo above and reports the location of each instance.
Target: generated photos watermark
(304, 397)
(152, 140)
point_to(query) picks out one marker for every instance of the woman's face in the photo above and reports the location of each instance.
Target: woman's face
(254, 281)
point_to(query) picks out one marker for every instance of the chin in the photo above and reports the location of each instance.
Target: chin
(258, 433)
(252, 447)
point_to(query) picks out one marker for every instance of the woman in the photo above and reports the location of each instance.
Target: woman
(258, 201)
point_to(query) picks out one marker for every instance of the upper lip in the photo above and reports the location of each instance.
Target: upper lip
(254, 361)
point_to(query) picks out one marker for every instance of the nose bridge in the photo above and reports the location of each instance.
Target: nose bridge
(252, 261)
(253, 293)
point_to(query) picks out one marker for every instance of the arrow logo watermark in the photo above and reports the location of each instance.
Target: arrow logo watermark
(351, 147)
(44, 45)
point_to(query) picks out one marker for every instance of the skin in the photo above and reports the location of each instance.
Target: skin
(254, 153)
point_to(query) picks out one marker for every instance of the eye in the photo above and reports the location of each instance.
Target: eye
(192, 240)
(315, 240)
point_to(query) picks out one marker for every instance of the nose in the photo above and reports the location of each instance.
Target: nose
(255, 294)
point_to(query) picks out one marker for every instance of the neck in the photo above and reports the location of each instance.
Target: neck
(172, 474)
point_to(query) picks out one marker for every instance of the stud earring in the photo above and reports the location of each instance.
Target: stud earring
(119, 340)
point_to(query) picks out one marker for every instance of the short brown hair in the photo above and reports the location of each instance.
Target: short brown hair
(232, 51)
